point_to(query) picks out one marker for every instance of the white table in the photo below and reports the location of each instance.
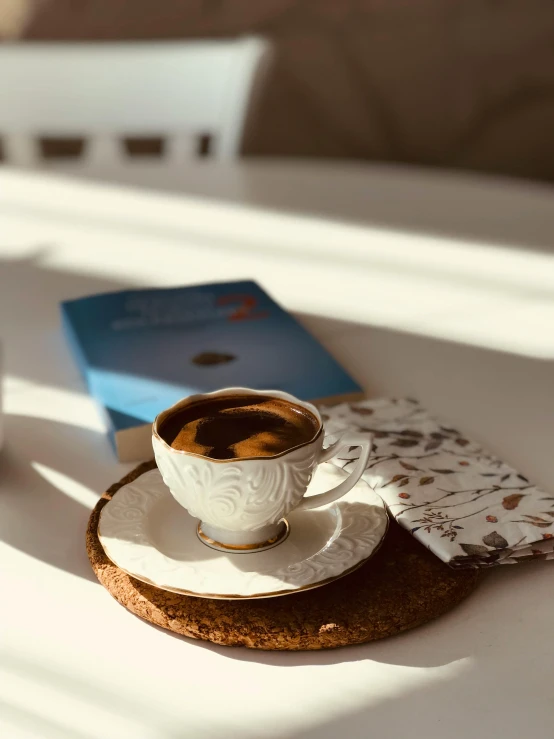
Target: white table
(432, 286)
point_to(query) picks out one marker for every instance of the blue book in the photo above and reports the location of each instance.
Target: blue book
(140, 351)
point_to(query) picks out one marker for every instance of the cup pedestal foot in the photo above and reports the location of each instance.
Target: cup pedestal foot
(243, 541)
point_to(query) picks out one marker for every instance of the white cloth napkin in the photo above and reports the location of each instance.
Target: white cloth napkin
(468, 507)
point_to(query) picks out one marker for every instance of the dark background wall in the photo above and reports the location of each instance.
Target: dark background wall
(451, 83)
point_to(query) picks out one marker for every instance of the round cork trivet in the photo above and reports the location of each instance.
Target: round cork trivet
(402, 586)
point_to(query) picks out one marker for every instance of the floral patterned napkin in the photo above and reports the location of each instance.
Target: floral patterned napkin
(468, 507)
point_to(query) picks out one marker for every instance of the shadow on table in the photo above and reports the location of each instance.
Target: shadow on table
(466, 661)
(473, 387)
(30, 327)
(79, 697)
(482, 209)
(476, 659)
(37, 516)
(485, 210)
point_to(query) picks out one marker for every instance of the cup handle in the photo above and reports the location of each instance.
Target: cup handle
(348, 439)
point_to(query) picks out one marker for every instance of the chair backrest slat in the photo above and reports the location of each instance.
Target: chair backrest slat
(107, 91)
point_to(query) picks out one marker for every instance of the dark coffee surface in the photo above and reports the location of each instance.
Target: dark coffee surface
(237, 426)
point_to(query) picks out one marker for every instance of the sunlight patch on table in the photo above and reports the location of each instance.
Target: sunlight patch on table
(73, 489)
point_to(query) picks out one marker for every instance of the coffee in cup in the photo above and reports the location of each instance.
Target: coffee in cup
(239, 426)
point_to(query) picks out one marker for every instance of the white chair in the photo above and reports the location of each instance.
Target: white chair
(105, 92)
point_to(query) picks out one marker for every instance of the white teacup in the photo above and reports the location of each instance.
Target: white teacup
(242, 502)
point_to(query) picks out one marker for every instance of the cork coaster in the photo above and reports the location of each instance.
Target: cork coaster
(401, 587)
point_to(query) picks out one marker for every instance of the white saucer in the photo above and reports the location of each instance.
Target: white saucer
(146, 533)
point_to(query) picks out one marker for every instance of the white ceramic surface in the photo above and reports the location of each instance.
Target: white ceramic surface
(240, 502)
(146, 533)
